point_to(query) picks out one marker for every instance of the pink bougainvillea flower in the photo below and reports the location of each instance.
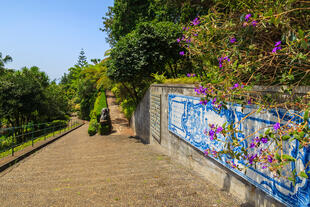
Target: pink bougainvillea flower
(232, 40)
(182, 53)
(277, 43)
(276, 126)
(219, 130)
(247, 17)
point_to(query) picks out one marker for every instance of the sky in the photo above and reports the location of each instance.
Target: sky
(51, 33)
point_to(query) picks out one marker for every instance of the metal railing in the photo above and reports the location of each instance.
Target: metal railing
(16, 138)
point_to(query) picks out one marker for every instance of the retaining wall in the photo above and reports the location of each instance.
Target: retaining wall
(171, 117)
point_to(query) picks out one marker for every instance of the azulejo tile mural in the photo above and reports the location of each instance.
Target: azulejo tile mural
(188, 119)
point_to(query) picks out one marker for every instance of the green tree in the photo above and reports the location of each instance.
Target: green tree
(3, 61)
(82, 61)
(146, 50)
(123, 17)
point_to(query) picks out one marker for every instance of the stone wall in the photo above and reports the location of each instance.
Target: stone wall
(140, 121)
(191, 156)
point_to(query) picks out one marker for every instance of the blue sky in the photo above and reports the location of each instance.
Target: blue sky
(50, 33)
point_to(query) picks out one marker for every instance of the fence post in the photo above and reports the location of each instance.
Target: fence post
(45, 133)
(32, 135)
(12, 143)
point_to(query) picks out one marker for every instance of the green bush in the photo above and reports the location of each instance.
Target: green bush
(92, 129)
(94, 125)
(58, 123)
(128, 107)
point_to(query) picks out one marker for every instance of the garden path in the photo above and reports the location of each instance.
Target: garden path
(114, 170)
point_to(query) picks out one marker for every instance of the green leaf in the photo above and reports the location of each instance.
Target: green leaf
(286, 137)
(306, 116)
(303, 174)
(293, 179)
(259, 110)
(278, 157)
(304, 44)
(301, 33)
(288, 158)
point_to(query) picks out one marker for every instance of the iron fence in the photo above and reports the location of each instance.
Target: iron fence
(16, 138)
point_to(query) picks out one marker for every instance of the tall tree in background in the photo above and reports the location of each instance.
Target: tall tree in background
(82, 61)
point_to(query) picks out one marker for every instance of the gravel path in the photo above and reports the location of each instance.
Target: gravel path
(114, 170)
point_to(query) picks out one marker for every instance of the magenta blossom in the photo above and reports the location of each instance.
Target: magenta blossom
(213, 101)
(254, 23)
(264, 140)
(274, 50)
(276, 126)
(269, 158)
(247, 17)
(252, 145)
(251, 158)
(182, 53)
(195, 21)
(219, 130)
(277, 43)
(203, 102)
(206, 153)
(178, 40)
(232, 40)
(211, 134)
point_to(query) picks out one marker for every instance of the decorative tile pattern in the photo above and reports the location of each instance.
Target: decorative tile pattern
(188, 119)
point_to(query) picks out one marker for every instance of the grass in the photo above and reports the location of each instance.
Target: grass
(28, 143)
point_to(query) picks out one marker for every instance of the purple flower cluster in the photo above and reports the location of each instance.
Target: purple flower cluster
(186, 28)
(276, 126)
(221, 59)
(277, 47)
(232, 40)
(251, 158)
(257, 141)
(191, 75)
(195, 21)
(250, 101)
(203, 102)
(254, 23)
(213, 131)
(184, 39)
(182, 53)
(201, 90)
(237, 85)
(247, 17)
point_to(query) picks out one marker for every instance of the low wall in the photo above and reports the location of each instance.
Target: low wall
(140, 121)
(176, 125)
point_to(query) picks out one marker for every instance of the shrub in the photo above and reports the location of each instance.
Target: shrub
(93, 125)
